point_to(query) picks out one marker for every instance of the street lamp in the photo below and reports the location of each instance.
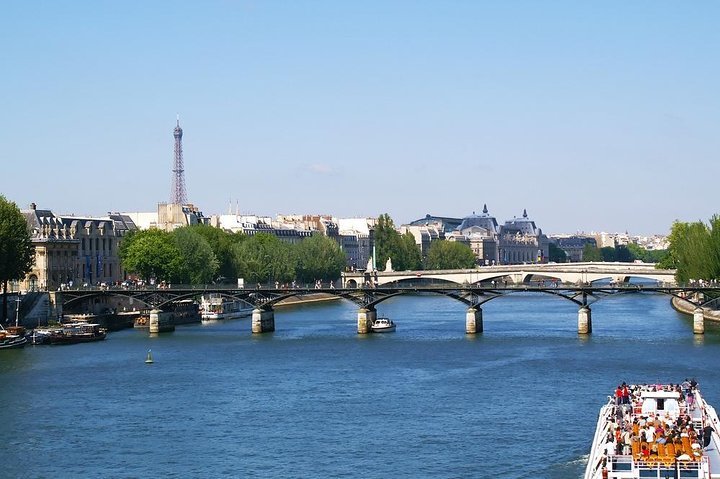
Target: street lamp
(17, 309)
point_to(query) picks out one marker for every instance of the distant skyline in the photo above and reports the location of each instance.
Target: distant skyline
(593, 116)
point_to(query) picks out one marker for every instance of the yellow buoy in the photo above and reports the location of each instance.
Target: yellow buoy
(149, 359)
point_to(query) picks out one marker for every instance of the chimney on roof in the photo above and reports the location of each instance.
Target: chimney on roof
(33, 206)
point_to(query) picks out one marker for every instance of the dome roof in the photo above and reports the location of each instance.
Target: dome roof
(483, 220)
(523, 226)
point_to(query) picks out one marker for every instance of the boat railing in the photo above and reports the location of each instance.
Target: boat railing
(597, 453)
(675, 468)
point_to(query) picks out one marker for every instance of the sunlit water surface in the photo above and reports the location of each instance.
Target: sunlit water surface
(315, 399)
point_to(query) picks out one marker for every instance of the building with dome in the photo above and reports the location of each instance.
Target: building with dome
(516, 241)
(521, 241)
(481, 233)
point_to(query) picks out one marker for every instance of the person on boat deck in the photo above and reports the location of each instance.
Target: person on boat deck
(654, 449)
(645, 451)
(625, 394)
(707, 435)
(618, 395)
(685, 386)
(627, 438)
(610, 446)
(650, 433)
(690, 399)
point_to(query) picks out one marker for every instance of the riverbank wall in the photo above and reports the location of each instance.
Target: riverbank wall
(308, 298)
(686, 307)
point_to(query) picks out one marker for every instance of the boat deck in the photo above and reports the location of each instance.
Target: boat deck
(655, 433)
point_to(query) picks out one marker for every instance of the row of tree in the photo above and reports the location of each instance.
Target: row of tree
(405, 254)
(202, 254)
(694, 250)
(621, 253)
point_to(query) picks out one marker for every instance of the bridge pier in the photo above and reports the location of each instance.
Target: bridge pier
(154, 321)
(263, 321)
(365, 319)
(473, 321)
(584, 320)
(699, 321)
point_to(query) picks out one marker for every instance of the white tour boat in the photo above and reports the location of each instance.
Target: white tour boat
(382, 325)
(216, 307)
(656, 431)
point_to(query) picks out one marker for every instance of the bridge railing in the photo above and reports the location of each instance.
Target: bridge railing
(429, 285)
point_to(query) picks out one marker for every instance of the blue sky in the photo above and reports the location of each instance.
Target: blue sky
(592, 115)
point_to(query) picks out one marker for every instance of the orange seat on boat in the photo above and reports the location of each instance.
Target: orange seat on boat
(686, 445)
(670, 449)
(661, 450)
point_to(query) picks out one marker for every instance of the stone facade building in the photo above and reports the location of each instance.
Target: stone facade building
(357, 240)
(71, 250)
(517, 241)
(521, 241)
(169, 216)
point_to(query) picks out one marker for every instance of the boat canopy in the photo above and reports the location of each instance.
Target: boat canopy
(669, 406)
(660, 394)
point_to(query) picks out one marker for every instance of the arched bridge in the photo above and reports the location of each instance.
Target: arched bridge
(367, 299)
(574, 273)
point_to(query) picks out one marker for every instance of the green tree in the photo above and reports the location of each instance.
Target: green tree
(691, 251)
(409, 257)
(222, 243)
(607, 254)
(445, 254)
(319, 257)
(646, 256)
(151, 254)
(387, 241)
(623, 254)
(401, 249)
(17, 253)
(264, 258)
(556, 254)
(199, 264)
(591, 253)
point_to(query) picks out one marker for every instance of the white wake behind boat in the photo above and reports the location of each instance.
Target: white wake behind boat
(656, 431)
(382, 325)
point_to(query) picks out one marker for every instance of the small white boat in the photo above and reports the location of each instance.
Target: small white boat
(382, 325)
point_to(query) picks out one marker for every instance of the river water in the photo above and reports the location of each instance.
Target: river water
(315, 399)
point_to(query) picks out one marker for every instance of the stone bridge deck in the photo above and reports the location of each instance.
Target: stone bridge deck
(575, 273)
